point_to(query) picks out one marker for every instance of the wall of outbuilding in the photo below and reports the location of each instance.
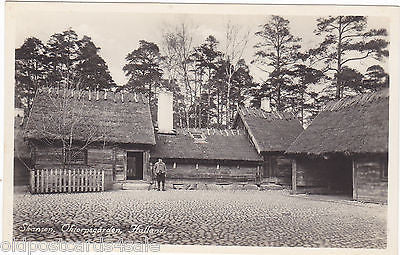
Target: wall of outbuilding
(201, 170)
(371, 185)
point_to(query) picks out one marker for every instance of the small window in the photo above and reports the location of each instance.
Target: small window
(198, 137)
(174, 166)
(76, 157)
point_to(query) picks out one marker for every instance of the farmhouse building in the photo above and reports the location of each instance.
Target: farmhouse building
(96, 130)
(345, 149)
(271, 133)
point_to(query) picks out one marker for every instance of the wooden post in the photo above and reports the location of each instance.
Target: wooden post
(102, 180)
(47, 180)
(83, 180)
(86, 180)
(37, 175)
(61, 178)
(51, 181)
(42, 181)
(355, 195)
(65, 177)
(294, 176)
(91, 180)
(69, 181)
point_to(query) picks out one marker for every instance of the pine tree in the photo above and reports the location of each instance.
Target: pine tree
(143, 69)
(276, 53)
(346, 40)
(30, 71)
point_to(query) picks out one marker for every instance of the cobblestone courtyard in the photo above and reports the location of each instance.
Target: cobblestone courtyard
(258, 218)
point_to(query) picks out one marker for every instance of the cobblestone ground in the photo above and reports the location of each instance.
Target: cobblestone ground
(252, 218)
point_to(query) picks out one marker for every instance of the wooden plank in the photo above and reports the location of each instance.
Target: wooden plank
(38, 181)
(98, 180)
(65, 179)
(73, 180)
(294, 176)
(42, 181)
(354, 165)
(102, 180)
(86, 180)
(81, 185)
(83, 181)
(51, 181)
(69, 180)
(46, 172)
(91, 180)
(62, 176)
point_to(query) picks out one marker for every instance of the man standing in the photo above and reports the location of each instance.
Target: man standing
(160, 170)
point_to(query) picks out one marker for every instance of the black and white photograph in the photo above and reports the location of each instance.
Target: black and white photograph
(136, 127)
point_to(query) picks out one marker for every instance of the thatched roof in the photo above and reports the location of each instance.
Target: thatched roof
(92, 116)
(270, 131)
(215, 145)
(358, 124)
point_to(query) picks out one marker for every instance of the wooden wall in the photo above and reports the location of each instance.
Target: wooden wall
(47, 156)
(110, 158)
(120, 157)
(21, 171)
(277, 169)
(370, 186)
(209, 172)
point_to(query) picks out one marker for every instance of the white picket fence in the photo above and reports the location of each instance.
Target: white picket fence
(69, 180)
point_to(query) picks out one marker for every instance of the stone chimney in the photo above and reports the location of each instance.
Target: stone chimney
(165, 112)
(265, 104)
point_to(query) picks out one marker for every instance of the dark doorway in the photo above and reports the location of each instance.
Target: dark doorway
(135, 166)
(341, 177)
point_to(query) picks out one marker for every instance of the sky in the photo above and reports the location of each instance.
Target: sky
(118, 33)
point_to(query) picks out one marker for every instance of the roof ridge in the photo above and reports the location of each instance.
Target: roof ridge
(212, 131)
(356, 100)
(97, 95)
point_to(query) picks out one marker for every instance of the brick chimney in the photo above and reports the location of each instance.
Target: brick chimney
(265, 104)
(165, 112)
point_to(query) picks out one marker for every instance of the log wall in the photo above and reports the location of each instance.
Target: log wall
(277, 169)
(209, 172)
(370, 185)
(113, 159)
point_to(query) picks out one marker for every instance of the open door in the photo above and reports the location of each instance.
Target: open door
(134, 169)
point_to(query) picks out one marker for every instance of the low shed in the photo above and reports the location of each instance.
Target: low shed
(345, 149)
(208, 155)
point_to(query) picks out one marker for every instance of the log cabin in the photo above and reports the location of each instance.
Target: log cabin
(345, 149)
(271, 133)
(203, 155)
(79, 129)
